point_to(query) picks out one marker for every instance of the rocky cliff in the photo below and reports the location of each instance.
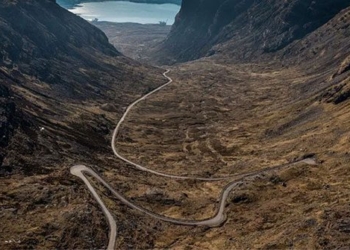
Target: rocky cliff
(246, 28)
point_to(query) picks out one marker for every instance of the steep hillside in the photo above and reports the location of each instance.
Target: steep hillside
(62, 89)
(248, 28)
(51, 55)
(311, 34)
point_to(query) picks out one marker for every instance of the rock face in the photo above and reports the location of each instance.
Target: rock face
(247, 28)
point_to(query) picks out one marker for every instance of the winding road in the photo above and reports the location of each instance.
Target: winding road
(116, 131)
(218, 219)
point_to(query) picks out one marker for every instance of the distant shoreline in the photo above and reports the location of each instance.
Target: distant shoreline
(72, 3)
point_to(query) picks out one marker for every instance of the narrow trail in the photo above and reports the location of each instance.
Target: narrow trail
(218, 219)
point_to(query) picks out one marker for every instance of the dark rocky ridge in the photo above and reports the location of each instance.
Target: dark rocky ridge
(43, 40)
(49, 30)
(247, 28)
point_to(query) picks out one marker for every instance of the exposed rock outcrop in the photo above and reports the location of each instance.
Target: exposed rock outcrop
(243, 28)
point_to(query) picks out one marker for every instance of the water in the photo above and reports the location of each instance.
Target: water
(122, 12)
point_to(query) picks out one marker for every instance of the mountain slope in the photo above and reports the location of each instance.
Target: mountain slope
(248, 28)
(51, 55)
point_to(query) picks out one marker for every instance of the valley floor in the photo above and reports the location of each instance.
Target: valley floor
(135, 40)
(215, 119)
(219, 119)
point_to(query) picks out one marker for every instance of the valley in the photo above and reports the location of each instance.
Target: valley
(252, 134)
(137, 41)
(263, 116)
(283, 115)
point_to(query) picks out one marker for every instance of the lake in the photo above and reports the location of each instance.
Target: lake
(124, 12)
